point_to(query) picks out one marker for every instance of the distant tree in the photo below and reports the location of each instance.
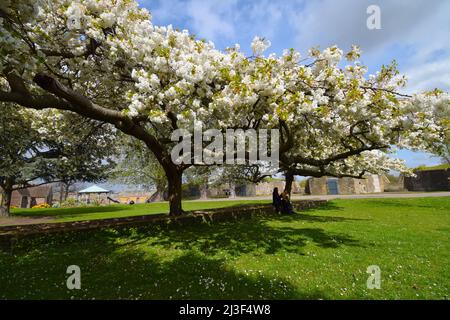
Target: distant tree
(394, 179)
(87, 151)
(17, 141)
(23, 152)
(199, 176)
(34, 147)
(244, 174)
(445, 154)
(237, 175)
(137, 167)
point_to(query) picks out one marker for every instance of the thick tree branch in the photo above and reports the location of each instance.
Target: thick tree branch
(80, 104)
(324, 162)
(27, 185)
(38, 102)
(64, 98)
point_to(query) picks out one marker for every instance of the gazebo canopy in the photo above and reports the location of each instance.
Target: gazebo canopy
(94, 189)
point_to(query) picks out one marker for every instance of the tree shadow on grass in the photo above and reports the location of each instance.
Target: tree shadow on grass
(316, 218)
(403, 203)
(240, 237)
(443, 229)
(192, 275)
(111, 272)
(171, 262)
(329, 205)
(310, 214)
(326, 206)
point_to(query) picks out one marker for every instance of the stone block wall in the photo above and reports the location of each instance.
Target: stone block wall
(347, 185)
(429, 180)
(317, 186)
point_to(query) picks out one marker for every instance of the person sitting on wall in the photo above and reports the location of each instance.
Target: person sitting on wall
(286, 205)
(276, 200)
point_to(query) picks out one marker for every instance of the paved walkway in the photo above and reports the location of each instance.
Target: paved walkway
(345, 196)
(380, 195)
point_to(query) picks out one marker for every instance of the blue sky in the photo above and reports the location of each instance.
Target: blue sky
(414, 32)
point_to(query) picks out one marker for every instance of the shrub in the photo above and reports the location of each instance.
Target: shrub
(96, 202)
(70, 203)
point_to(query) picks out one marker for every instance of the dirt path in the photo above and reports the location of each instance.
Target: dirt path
(6, 221)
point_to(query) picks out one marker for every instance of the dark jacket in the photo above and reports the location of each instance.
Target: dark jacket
(276, 200)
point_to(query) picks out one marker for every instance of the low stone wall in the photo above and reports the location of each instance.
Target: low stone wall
(9, 234)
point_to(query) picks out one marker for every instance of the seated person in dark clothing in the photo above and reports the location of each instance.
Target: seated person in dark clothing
(286, 205)
(276, 200)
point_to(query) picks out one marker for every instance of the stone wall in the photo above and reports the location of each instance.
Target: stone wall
(375, 183)
(317, 186)
(251, 189)
(429, 180)
(266, 188)
(346, 185)
(360, 186)
(21, 198)
(29, 197)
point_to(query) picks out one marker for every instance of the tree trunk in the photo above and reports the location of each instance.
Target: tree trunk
(289, 179)
(174, 180)
(158, 195)
(232, 190)
(66, 191)
(6, 201)
(61, 192)
(203, 192)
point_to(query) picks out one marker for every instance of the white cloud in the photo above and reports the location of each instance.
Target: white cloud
(343, 22)
(413, 32)
(429, 76)
(221, 21)
(211, 19)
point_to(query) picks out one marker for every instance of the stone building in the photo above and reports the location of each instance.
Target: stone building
(32, 196)
(428, 180)
(346, 185)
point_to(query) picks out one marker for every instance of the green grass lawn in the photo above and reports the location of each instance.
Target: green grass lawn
(123, 210)
(320, 253)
